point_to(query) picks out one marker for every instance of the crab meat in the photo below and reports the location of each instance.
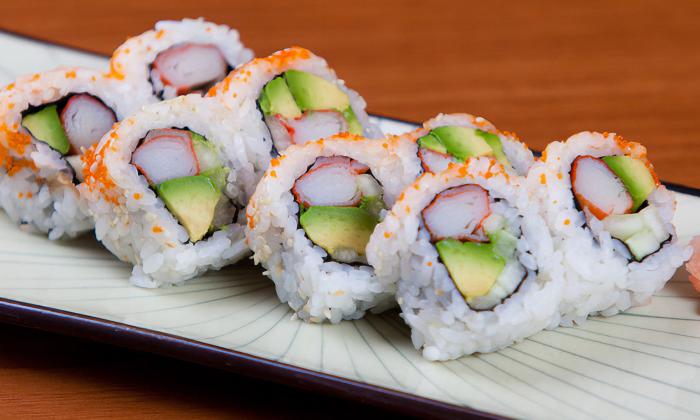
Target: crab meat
(85, 119)
(433, 161)
(355, 166)
(189, 66)
(166, 156)
(331, 181)
(311, 125)
(280, 136)
(184, 134)
(598, 189)
(458, 213)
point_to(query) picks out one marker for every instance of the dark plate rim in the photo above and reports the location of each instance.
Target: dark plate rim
(146, 340)
(141, 339)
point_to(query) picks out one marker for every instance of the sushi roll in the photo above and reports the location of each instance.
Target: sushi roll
(46, 121)
(167, 187)
(311, 217)
(454, 138)
(291, 97)
(474, 261)
(179, 57)
(611, 220)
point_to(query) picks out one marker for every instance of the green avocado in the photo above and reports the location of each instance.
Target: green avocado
(206, 152)
(495, 143)
(431, 142)
(504, 243)
(474, 267)
(45, 125)
(313, 93)
(642, 232)
(354, 126)
(635, 175)
(192, 200)
(338, 228)
(372, 204)
(622, 226)
(197, 138)
(642, 243)
(217, 175)
(277, 99)
(462, 142)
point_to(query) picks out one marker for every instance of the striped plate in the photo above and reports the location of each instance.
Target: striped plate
(643, 363)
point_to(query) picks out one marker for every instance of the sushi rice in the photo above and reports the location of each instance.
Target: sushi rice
(600, 277)
(241, 89)
(37, 185)
(134, 223)
(444, 324)
(315, 287)
(133, 60)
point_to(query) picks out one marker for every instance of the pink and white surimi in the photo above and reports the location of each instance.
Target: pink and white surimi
(458, 213)
(312, 125)
(165, 155)
(85, 120)
(183, 68)
(179, 57)
(330, 182)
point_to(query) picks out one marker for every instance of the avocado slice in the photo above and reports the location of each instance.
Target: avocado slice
(642, 243)
(642, 232)
(462, 142)
(635, 175)
(192, 200)
(45, 125)
(372, 204)
(622, 226)
(338, 228)
(217, 175)
(277, 99)
(313, 93)
(354, 126)
(474, 267)
(431, 142)
(504, 244)
(206, 152)
(197, 138)
(495, 144)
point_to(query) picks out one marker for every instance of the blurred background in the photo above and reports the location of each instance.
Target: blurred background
(543, 69)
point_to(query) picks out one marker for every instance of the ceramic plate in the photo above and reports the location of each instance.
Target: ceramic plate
(643, 363)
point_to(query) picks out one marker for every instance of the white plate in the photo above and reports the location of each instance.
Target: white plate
(643, 363)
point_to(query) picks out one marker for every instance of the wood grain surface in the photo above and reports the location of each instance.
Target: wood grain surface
(45, 375)
(542, 69)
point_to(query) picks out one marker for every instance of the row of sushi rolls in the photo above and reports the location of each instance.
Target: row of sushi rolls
(190, 154)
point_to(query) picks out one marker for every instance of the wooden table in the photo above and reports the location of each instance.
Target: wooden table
(542, 69)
